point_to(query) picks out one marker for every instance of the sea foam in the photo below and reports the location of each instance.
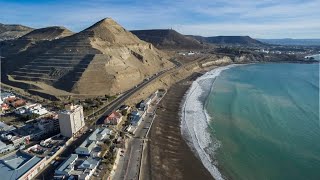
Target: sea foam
(195, 119)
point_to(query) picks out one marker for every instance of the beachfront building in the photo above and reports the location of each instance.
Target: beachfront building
(81, 169)
(135, 118)
(87, 168)
(90, 147)
(21, 166)
(100, 134)
(71, 120)
(141, 106)
(86, 147)
(65, 169)
(113, 119)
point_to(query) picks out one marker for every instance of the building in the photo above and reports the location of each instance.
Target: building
(32, 131)
(113, 119)
(75, 167)
(5, 147)
(86, 147)
(71, 120)
(100, 134)
(18, 103)
(135, 118)
(5, 95)
(21, 166)
(5, 107)
(14, 139)
(141, 105)
(20, 111)
(90, 147)
(36, 109)
(88, 167)
(50, 125)
(66, 167)
(6, 127)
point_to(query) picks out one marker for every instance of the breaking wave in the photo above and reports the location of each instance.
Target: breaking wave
(195, 119)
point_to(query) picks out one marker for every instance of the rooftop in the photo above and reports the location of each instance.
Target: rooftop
(5, 127)
(89, 163)
(114, 115)
(99, 132)
(16, 165)
(65, 166)
(88, 145)
(70, 109)
(2, 144)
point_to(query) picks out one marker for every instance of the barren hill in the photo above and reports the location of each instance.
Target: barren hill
(102, 59)
(35, 38)
(168, 39)
(8, 31)
(225, 40)
(48, 33)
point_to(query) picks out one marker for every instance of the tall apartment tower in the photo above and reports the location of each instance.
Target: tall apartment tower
(71, 120)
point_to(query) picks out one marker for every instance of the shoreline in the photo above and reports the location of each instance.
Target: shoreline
(168, 154)
(195, 119)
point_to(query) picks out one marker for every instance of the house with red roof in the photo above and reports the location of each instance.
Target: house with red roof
(113, 119)
(4, 107)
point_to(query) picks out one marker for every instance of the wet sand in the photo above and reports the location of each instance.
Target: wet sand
(167, 156)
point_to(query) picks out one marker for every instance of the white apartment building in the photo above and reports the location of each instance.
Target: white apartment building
(71, 120)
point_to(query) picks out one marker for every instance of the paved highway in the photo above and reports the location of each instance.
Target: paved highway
(118, 102)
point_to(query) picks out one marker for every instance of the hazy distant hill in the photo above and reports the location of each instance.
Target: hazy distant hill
(8, 31)
(288, 41)
(168, 39)
(229, 40)
(95, 61)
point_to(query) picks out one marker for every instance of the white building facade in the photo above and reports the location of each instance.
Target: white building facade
(71, 120)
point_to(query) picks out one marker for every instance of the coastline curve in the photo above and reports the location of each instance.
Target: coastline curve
(195, 119)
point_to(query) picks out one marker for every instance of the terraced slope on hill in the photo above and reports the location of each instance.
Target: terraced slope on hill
(102, 59)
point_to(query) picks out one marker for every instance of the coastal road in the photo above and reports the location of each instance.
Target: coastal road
(129, 165)
(118, 102)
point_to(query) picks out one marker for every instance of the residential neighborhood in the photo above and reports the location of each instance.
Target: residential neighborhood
(44, 139)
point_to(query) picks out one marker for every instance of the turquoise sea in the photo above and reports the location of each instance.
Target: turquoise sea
(266, 120)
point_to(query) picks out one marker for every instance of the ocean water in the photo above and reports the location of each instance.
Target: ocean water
(257, 121)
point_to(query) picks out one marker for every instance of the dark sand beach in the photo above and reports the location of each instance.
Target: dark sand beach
(167, 155)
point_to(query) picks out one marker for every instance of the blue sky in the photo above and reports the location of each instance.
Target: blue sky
(256, 18)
